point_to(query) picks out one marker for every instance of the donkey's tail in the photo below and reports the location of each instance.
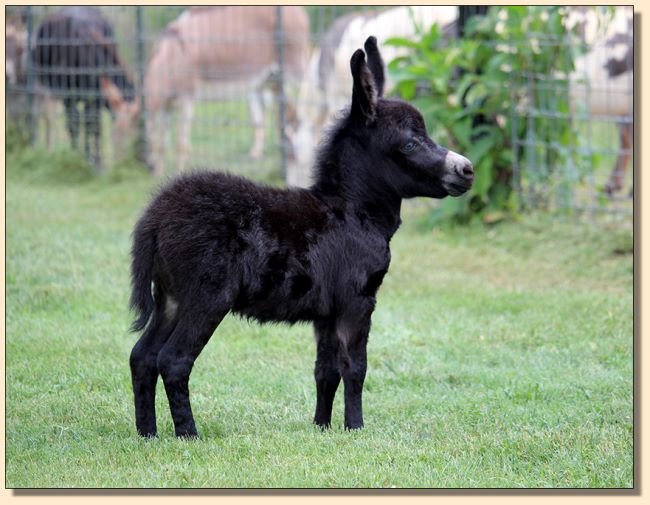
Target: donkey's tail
(144, 248)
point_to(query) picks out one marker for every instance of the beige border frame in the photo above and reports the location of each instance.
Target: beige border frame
(412, 496)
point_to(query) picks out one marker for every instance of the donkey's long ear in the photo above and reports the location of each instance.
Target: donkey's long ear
(376, 64)
(364, 92)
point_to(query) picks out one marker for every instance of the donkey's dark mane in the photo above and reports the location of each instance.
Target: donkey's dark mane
(327, 169)
(336, 174)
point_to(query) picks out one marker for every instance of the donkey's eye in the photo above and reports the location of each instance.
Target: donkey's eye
(408, 147)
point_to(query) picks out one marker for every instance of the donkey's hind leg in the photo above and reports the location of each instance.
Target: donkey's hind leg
(175, 362)
(144, 367)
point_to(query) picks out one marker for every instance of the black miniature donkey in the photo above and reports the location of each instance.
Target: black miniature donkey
(212, 243)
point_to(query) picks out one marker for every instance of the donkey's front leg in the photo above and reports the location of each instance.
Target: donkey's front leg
(92, 132)
(158, 130)
(72, 120)
(326, 372)
(256, 108)
(184, 131)
(353, 336)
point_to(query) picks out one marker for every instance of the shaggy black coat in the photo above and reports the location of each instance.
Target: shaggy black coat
(213, 243)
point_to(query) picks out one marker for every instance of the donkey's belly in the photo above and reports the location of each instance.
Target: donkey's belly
(291, 300)
(215, 85)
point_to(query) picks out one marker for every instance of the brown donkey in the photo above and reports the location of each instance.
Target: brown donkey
(230, 47)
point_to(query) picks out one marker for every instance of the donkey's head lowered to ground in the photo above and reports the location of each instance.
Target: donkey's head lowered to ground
(213, 243)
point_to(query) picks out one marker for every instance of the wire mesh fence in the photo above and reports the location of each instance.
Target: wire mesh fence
(251, 89)
(591, 169)
(209, 83)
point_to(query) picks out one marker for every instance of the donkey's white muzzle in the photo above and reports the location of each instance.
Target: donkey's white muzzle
(459, 174)
(460, 165)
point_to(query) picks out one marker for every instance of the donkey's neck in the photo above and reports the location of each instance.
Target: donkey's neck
(373, 204)
(346, 170)
(381, 213)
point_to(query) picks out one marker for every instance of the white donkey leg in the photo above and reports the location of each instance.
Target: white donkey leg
(184, 131)
(156, 133)
(256, 108)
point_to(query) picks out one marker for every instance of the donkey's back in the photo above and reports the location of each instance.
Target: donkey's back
(259, 251)
(242, 41)
(230, 44)
(74, 46)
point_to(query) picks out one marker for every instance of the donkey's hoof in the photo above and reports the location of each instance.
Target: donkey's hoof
(148, 434)
(188, 438)
(255, 154)
(187, 434)
(612, 187)
(323, 425)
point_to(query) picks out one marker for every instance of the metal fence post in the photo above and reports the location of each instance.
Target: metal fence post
(30, 78)
(142, 137)
(279, 42)
(465, 12)
(514, 139)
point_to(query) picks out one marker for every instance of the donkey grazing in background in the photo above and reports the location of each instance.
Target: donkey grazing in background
(231, 48)
(74, 49)
(213, 243)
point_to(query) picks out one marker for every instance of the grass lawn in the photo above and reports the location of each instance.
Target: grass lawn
(498, 357)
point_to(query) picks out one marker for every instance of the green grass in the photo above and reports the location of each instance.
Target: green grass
(498, 357)
(222, 135)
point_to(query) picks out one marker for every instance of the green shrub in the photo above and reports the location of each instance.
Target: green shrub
(487, 73)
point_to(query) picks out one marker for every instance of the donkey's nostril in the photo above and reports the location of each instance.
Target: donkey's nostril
(465, 170)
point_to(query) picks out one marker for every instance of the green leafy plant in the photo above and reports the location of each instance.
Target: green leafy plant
(469, 91)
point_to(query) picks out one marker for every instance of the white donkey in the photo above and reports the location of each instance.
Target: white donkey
(326, 87)
(232, 47)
